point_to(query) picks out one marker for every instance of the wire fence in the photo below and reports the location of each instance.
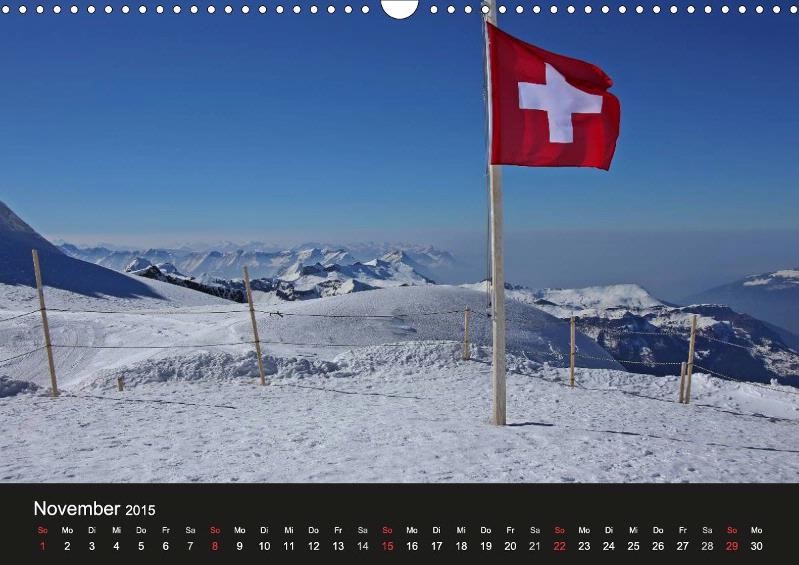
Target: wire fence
(229, 344)
(715, 340)
(20, 355)
(20, 316)
(614, 331)
(278, 313)
(169, 311)
(632, 362)
(479, 333)
(738, 379)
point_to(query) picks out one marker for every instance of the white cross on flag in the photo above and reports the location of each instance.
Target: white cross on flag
(548, 110)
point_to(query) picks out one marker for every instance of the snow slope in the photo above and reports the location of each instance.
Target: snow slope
(17, 239)
(15, 299)
(413, 412)
(401, 314)
(530, 331)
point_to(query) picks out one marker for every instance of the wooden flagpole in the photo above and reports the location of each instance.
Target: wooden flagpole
(497, 259)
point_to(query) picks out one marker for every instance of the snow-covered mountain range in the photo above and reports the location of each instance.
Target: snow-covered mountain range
(632, 325)
(428, 261)
(298, 282)
(773, 297)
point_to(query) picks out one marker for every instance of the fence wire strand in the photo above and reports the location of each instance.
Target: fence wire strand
(3, 361)
(234, 343)
(358, 316)
(580, 355)
(19, 316)
(244, 311)
(176, 346)
(731, 378)
(615, 331)
(174, 311)
(731, 344)
(660, 334)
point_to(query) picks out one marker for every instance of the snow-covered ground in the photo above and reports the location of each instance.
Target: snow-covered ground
(410, 412)
(386, 398)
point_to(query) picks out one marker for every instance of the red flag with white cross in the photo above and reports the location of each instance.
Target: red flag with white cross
(548, 110)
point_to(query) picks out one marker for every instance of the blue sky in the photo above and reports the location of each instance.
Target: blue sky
(198, 126)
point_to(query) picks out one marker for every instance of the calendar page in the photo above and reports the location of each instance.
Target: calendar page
(398, 281)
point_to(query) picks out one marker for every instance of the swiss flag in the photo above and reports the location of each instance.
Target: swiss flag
(549, 110)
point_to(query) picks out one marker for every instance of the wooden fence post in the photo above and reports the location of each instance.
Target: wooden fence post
(690, 365)
(254, 326)
(120, 384)
(467, 354)
(45, 326)
(682, 382)
(572, 351)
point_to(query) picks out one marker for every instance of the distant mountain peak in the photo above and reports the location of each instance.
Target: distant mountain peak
(394, 255)
(137, 264)
(777, 279)
(772, 296)
(613, 296)
(9, 221)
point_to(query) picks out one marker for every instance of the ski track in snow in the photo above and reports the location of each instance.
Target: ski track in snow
(387, 410)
